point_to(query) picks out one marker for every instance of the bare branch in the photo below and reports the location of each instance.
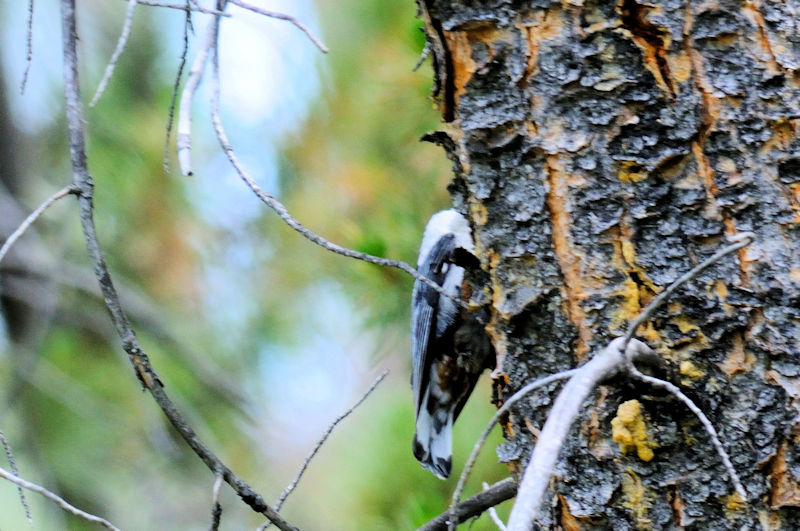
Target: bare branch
(123, 40)
(282, 16)
(513, 399)
(712, 433)
(13, 478)
(536, 477)
(290, 488)
(184, 140)
(494, 495)
(144, 371)
(13, 464)
(33, 217)
(493, 513)
(29, 56)
(197, 7)
(187, 25)
(284, 214)
(741, 240)
(216, 508)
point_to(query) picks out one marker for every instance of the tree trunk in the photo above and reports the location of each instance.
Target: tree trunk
(601, 149)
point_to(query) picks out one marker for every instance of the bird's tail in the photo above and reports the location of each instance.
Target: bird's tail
(433, 441)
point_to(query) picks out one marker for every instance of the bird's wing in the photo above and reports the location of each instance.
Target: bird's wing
(423, 315)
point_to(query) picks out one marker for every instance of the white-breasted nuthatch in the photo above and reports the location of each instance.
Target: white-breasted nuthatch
(449, 348)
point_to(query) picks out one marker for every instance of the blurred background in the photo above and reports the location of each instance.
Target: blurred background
(260, 337)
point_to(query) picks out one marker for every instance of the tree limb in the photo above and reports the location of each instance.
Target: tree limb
(536, 477)
(513, 399)
(85, 187)
(494, 495)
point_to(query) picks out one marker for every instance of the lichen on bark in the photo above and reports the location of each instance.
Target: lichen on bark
(601, 149)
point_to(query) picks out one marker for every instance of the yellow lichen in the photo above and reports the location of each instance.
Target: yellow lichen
(637, 500)
(734, 502)
(629, 431)
(631, 172)
(691, 370)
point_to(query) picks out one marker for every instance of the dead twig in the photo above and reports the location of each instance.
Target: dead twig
(33, 216)
(565, 410)
(712, 433)
(493, 513)
(216, 508)
(609, 362)
(123, 40)
(282, 16)
(184, 138)
(293, 484)
(13, 478)
(29, 43)
(187, 25)
(281, 210)
(513, 399)
(84, 185)
(740, 240)
(494, 495)
(13, 464)
(197, 7)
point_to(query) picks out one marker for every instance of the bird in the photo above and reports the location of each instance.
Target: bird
(449, 347)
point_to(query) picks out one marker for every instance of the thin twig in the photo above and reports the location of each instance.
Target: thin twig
(29, 56)
(742, 239)
(13, 478)
(493, 513)
(14, 470)
(566, 407)
(184, 138)
(198, 8)
(123, 40)
(284, 214)
(712, 433)
(216, 508)
(282, 16)
(494, 495)
(33, 216)
(513, 399)
(141, 364)
(288, 490)
(422, 56)
(187, 25)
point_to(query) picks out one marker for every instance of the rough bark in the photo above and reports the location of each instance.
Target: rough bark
(600, 150)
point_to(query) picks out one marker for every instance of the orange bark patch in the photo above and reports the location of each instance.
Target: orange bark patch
(568, 256)
(567, 519)
(545, 25)
(752, 11)
(784, 488)
(652, 40)
(460, 45)
(738, 359)
(795, 200)
(676, 503)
